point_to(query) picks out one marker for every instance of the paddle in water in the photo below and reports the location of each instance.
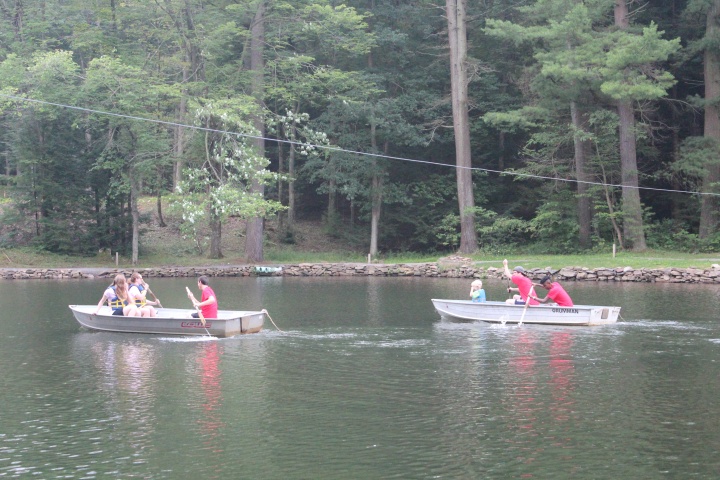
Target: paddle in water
(194, 301)
(527, 302)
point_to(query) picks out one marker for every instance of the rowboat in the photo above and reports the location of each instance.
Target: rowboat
(266, 271)
(501, 312)
(171, 321)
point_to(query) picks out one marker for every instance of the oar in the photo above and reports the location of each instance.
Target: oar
(200, 315)
(155, 297)
(527, 302)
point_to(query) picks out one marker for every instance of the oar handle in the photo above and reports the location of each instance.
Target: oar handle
(192, 297)
(155, 297)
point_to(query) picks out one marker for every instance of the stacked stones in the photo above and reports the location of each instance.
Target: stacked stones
(449, 269)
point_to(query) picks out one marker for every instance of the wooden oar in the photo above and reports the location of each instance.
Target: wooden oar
(192, 298)
(155, 297)
(527, 302)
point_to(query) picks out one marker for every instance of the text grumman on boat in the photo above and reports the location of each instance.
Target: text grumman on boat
(501, 312)
(171, 321)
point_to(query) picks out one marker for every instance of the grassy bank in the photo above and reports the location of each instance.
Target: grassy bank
(166, 246)
(29, 258)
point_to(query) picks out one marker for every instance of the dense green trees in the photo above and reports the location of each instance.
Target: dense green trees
(558, 125)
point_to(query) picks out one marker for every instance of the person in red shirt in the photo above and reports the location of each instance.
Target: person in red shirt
(556, 293)
(524, 284)
(208, 302)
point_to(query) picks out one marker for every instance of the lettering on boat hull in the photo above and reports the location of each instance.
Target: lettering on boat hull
(566, 310)
(195, 324)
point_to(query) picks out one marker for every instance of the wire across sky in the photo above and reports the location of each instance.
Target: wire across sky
(339, 149)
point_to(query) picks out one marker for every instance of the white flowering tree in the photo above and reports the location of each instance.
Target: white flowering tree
(221, 186)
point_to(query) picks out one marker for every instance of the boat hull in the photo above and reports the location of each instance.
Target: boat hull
(501, 312)
(171, 321)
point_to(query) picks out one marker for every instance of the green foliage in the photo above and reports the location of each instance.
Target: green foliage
(448, 231)
(629, 67)
(223, 185)
(504, 234)
(555, 225)
(672, 235)
(696, 155)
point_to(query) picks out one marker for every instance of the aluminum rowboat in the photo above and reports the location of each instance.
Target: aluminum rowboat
(171, 321)
(501, 312)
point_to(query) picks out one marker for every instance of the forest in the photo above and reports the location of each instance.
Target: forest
(552, 126)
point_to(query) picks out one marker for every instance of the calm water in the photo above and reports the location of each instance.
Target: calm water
(365, 382)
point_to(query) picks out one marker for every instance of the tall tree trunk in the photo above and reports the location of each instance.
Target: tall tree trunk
(291, 186)
(179, 133)
(375, 193)
(135, 214)
(632, 208)
(161, 220)
(710, 204)
(457, 37)
(332, 213)
(215, 237)
(254, 230)
(280, 187)
(582, 149)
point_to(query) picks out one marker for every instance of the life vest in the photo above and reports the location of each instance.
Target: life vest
(115, 302)
(141, 302)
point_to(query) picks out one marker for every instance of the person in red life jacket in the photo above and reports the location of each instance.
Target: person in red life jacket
(524, 284)
(208, 302)
(556, 293)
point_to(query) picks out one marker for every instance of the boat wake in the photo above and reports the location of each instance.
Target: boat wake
(193, 339)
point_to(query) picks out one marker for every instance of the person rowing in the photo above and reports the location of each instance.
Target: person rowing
(524, 284)
(118, 298)
(138, 294)
(208, 304)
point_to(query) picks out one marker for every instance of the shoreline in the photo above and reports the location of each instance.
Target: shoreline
(430, 269)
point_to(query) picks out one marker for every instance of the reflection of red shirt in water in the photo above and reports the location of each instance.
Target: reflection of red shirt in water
(208, 311)
(524, 284)
(558, 295)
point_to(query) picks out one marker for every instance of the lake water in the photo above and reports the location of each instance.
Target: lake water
(365, 382)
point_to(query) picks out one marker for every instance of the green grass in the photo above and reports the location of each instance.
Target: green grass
(648, 259)
(30, 258)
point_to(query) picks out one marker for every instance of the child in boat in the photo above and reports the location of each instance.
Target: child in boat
(118, 298)
(138, 294)
(477, 294)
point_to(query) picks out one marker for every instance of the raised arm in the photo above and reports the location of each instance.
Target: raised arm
(508, 273)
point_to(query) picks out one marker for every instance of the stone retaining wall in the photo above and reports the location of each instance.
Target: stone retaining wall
(619, 274)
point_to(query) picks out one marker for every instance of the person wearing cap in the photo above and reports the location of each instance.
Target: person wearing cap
(556, 293)
(524, 284)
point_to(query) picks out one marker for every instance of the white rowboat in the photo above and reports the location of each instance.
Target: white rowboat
(501, 312)
(171, 321)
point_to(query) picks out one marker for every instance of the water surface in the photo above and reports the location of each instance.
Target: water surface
(365, 381)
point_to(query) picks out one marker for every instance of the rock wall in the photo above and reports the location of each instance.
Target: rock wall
(433, 269)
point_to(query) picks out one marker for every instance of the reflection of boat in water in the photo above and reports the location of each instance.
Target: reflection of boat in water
(501, 312)
(171, 321)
